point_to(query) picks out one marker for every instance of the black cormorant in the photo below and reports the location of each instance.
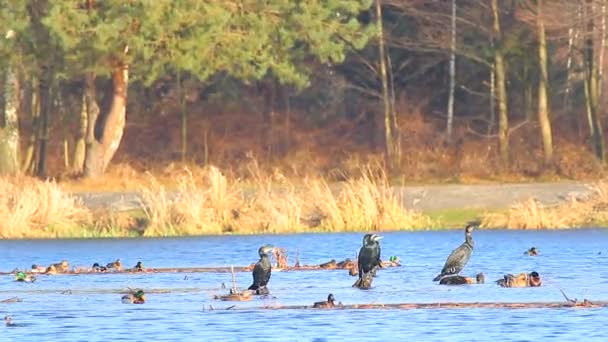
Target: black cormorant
(329, 303)
(262, 270)
(459, 256)
(369, 257)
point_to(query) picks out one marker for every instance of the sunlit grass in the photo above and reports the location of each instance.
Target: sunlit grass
(29, 208)
(530, 214)
(275, 205)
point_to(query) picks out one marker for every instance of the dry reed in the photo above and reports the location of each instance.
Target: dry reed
(273, 204)
(575, 212)
(33, 208)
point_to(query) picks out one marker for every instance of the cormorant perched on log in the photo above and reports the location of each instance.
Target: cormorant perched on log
(459, 256)
(369, 258)
(262, 270)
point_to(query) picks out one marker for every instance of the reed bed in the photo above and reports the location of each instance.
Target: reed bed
(214, 204)
(574, 212)
(33, 208)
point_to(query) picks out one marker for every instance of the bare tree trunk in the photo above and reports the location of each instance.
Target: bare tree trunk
(80, 147)
(492, 94)
(528, 88)
(591, 79)
(602, 47)
(388, 117)
(29, 165)
(45, 109)
(543, 107)
(501, 87)
(450, 118)
(107, 129)
(9, 125)
(184, 117)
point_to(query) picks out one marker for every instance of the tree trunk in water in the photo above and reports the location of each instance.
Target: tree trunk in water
(501, 89)
(388, 117)
(591, 75)
(80, 147)
(543, 107)
(450, 118)
(9, 126)
(29, 165)
(104, 132)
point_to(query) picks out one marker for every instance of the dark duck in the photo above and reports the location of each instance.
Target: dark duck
(459, 256)
(368, 260)
(531, 252)
(262, 271)
(326, 304)
(460, 280)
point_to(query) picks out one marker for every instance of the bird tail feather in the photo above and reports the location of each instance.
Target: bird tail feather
(437, 278)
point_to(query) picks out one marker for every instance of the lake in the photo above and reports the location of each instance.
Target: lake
(178, 304)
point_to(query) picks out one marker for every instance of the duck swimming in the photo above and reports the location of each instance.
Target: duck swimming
(38, 269)
(328, 304)
(61, 267)
(8, 320)
(21, 276)
(98, 268)
(139, 267)
(531, 252)
(117, 265)
(521, 280)
(138, 297)
(460, 256)
(329, 265)
(460, 280)
(51, 270)
(262, 271)
(369, 258)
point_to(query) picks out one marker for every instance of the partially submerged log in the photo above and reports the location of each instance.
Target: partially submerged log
(235, 294)
(472, 305)
(211, 269)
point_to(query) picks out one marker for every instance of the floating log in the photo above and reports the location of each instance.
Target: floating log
(11, 300)
(471, 305)
(211, 269)
(235, 294)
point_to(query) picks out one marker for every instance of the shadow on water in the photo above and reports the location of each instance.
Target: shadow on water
(178, 305)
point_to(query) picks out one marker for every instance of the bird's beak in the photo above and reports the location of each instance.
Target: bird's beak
(143, 298)
(377, 238)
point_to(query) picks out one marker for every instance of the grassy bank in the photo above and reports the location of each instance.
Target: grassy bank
(212, 203)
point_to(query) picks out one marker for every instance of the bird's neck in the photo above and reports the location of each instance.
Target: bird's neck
(469, 240)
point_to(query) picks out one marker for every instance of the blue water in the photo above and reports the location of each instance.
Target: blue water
(178, 304)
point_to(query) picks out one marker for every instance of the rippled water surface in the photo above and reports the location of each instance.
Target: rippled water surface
(574, 260)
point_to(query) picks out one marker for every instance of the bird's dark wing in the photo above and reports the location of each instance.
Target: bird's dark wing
(258, 276)
(378, 258)
(266, 276)
(457, 260)
(368, 258)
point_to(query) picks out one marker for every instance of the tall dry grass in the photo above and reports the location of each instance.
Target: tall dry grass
(197, 206)
(271, 203)
(34, 208)
(575, 212)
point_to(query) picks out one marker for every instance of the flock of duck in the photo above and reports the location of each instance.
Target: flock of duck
(368, 262)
